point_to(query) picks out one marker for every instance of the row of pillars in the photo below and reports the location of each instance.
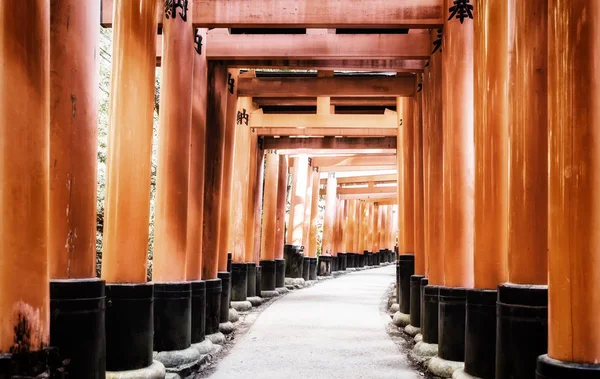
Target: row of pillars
(501, 232)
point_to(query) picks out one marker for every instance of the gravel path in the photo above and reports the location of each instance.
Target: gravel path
(335, 329)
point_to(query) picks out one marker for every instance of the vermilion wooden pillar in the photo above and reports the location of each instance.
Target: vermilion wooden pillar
(574, 278)
(405, 153)
(376, 228)
(307, 208)
(259, 156)
(350, 226)
(282, 186)
(419, 236)
(254, 194)
(314, 216)
(525, 338)
(330, 215)
(270, 206)
(297, 201)
(24, 182)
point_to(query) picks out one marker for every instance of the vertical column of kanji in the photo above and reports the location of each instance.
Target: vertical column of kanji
(282, 185)
(76, 325)
(195, 209)
(458, 166)
(127, 204)
(172, 293)
(24, 186)
(406, 248)
(330, 212)
(520, 339)
(306, 225)
(491, 187)
(574, 278)
(269, 225)
(216, 104)
(314, 218)
(293, 251)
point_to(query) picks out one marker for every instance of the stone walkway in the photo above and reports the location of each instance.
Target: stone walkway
(334, 329)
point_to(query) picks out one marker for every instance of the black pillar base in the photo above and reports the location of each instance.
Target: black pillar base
(258, 280)
(45, 363)
(349, 260)
(334, 264)
(239, 281)
(306, 268)
(268, 273)
(172, 316)
(429, 328)
(77, 320)
(313, 269)
(251, 282)
(361, 260)
(279, 273)
(424, 282)
(129, 326)
(521, 329)
(480, 333)
(343, 261)
(548, 368)
(406, 264)
(294, 261)
(324, 265)
(229, 262)
(369, 261)
(451, 342)
(198, 311)
(213, 305)
(415, 300)
(225, 295)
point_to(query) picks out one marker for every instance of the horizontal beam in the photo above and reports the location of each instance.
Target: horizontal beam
(341, 86)
(336, 101)
(387, 65)
(326, 132)
(365, 179)
(329, 143)
(336, 121)
(389, 190)
(356, 161)
(317, 46)
(386, 201)
(372, 196)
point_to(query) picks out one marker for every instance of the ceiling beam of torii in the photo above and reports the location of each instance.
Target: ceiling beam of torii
(388, 190)
(376, 197)
(287, 145)
(336, 121)
(377, 178)
(424, 14)
(397, 65)
(326, 132)
(389, 101)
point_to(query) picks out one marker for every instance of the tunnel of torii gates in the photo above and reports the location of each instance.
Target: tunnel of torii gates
(485, 113)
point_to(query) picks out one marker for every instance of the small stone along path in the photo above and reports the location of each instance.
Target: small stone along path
(334, 329)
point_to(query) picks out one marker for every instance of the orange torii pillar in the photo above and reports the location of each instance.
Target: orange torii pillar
(433, 174)
(243, 272)
(339, 211)
(490, 69)
(574, 254)
(282, 182)
(24, 187)
(406, 236)
(127, 204)
(349, 231)
(522, 311)
(459, 176)
(415, 280)
(76, 324)
(384, 233)
(314, 218)
(377, 231)
(370, 234)
(195, 210)
(343, 240)
(216, 105)
(326, 257)
(252, 223)
(294, 250)
(352, 258)
(306, 222)
(365, 217)
(172, 293)
(258, 193)
(269, 225)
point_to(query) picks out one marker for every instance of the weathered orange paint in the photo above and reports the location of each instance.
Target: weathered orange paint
(314, 214)
(307, 209)
(330, 216)
(127, 203)
(297, 200)
(270, 206)
(574, 193)
(254, 202)
(258, 194)
(282, 181)
(405, 157)
(73, 138)
(419, 239)
(350, 229)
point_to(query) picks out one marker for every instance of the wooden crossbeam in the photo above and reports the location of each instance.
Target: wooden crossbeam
(327, 132)
(378, 197)
(317, 46)
(260, 120)
(424, 14)
(397, 65)
(336, 101)
(329, 143)
(379, 161)
(389, 190)
(341, 86)
(379, 178)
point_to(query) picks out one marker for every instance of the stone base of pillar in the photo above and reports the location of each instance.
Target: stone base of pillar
(401, 319)
(77, 319)
(267, 276)
(255, 300)
(213, 306)
(443, 368)
(226, 327)
(240, 306)
(406, 266)
(342, 261)
(452, 309)
(461, 374)
(412, 330)
(258, 279)
(178, 360)
(423, 352)
(294, 261)
(217, 338)
(548, 368)
(156, 370)
(251, 279)
(522, 329)
(295, 283)
(324, 265)
(239, 281)
(129, 327)
(415, 300)
(234, 316)
(198, 311)
(429, 328)
(269, 294)
(173, 322)
(480, 333)
(313, 269)
(279, 273)
(204, 347)
(225, 295)
(281, 290)
(306, 269)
